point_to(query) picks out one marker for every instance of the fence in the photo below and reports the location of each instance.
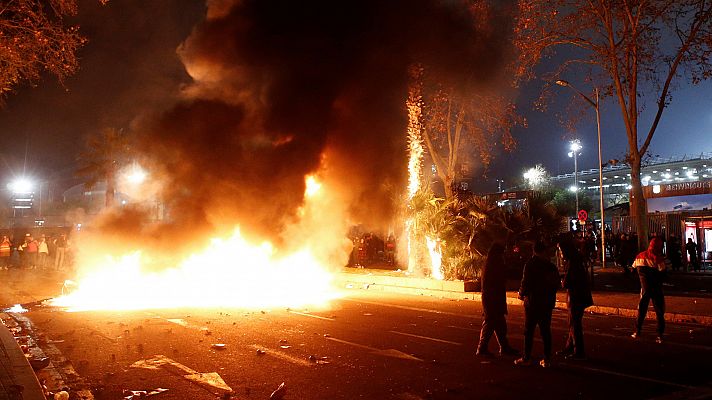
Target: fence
(661, 224)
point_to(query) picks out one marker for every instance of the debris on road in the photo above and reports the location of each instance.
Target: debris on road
(218, 346)
(135, 394)
(62, 395)
(261, 352)
(318, 360)
(279, 392)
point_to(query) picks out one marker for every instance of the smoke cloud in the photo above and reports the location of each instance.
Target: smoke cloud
(283, 89)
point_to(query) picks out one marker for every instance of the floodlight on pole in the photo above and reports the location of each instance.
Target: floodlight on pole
(596, 106)
(136, 175)
(21, 185)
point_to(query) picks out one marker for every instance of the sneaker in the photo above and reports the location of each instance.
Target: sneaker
(509, 351)
(523, 362)
(545, 363)
(659, 340)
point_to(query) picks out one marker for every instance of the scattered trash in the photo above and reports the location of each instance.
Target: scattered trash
(261, 352)
(368, 314)
(349, 286)
(62, 395)
(285, 346)
(39, 363)
(283, 341)
(135, 394)
(53, 341)
(326, 335)
(366, 285)
(279, 392)
(218, 346)
(318, 360)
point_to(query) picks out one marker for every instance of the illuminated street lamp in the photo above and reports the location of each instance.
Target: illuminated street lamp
(595, 105)
(575, 147)
(136, 175)
(535, 176)
(20, 185)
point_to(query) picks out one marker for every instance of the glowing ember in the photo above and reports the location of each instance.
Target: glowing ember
(313, 186)
(230, 272)
(435, 257)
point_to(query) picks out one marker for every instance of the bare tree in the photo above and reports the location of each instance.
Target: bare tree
(105, 154)
(464, 126)
(633, 50)
(34, 40)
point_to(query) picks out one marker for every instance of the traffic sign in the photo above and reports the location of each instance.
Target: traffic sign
(582, 215)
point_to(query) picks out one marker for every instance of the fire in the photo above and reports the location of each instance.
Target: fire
(229, 272)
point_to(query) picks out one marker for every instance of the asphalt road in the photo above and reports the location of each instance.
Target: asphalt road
(367, 345)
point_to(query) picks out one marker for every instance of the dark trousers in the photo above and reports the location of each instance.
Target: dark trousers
(651, 288)
(496, 324)
(532, 318)
(574, 343)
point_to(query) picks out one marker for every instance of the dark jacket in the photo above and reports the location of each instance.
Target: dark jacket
(494, 284)
(540, 281)
(576, 284)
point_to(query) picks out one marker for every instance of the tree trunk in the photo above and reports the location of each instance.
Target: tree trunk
(449, 187)
(638, 208)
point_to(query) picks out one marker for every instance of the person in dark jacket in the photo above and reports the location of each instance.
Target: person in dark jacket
(494, 303)
(577, 300)
(651, 270)
(540, 281)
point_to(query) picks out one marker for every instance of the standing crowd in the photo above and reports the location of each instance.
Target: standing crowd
(541, 280)
(34, 253)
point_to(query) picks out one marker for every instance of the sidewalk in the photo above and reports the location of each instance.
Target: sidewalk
(679, 308)
(17, 378)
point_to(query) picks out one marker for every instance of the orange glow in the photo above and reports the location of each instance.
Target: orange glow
(229, 272)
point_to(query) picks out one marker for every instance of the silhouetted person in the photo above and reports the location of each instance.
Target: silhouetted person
(691, 248)
(674, 253)
(494, 303)
(540, 281)
(651, 267)
(577, 300)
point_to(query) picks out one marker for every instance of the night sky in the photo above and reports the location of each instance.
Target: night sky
(130, 67)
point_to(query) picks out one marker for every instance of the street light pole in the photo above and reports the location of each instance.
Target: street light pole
(596, 107)
(575, 151)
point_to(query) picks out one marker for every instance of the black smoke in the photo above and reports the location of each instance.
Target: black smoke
(283, 87)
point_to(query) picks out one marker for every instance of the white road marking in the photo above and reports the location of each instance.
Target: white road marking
(427, 310)
(387, 353)
(426, 338)
(312, 315)
(624, 375)
(283, 356)
(211, 379)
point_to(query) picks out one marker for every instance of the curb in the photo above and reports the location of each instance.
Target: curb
(455, 291)
(17, 366)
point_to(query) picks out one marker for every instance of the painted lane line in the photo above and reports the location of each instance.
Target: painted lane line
(463, 328)
(624, 375)
(427, 310)
(426, 338)
(283, 356)
(209, 379)
(311, 315)
(386, 353)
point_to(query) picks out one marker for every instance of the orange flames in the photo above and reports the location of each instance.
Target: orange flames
(230, 272)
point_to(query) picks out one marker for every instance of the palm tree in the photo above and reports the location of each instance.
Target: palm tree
(105, 153)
